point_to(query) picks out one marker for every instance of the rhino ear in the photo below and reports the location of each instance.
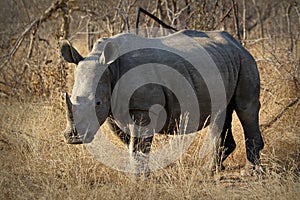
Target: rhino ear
(110, 52)
(69, 53)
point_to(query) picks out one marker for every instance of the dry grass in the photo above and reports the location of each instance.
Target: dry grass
(36, 163)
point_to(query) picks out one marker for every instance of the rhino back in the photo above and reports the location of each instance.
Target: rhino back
(224, 50)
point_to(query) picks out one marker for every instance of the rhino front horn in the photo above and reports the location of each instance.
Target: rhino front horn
(69, 108)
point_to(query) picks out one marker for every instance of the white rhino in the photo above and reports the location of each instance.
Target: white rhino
(99, 94)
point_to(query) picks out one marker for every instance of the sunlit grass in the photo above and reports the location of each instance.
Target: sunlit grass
(37, 163)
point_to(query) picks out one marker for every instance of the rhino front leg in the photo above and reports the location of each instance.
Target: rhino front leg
(222, 140)
(124, 137)
(140, 144)
(212, 145)
(226, 140)
(139, 149)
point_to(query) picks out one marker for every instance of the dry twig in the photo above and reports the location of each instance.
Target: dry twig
(153, 17)
(280, 114)
(34, 25)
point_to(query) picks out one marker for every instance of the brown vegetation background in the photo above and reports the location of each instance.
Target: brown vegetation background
(35, 161)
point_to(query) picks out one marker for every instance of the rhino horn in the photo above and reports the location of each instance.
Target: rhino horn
(70, 133)
(69, 108)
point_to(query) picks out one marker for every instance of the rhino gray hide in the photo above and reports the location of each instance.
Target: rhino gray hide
(90, 104)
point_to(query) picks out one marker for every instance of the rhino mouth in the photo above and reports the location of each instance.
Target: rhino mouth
(72, 137)
(71, 134)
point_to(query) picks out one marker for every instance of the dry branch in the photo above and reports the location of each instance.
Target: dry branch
(280, 114)
(34, 25)
(223, 18)
(153, 17)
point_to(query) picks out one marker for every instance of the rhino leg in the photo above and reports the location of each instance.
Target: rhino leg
(124, 137)
(254, 141)
(139, 149)
(223, 144)
(247, 107)
(226, 140)
(140, 144)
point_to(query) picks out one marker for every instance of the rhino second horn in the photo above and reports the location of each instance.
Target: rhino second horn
(69, 108)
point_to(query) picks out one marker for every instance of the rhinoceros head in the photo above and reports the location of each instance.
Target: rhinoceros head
(89, 104)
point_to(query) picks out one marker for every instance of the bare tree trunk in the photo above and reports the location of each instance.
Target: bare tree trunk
(159, 15)
(236, 19)
(32, 39)
(297, 38)
(223, 14)
(244, 22)
(174, 8)
(88, 34)
(188, 10)
(258, 11)
(65, 25)
(289, 27)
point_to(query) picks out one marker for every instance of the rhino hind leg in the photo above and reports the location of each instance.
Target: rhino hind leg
(226, 140)
(253, 138)
(247, 107)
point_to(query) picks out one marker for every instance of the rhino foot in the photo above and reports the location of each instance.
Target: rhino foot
(72, 138)
(252, 170)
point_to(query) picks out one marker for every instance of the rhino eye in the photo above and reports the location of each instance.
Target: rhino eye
(98, 103)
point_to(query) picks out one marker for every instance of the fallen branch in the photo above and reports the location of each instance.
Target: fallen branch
(280, 114)
(153, 17)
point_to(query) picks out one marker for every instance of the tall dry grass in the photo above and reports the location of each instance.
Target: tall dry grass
(36, 162)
